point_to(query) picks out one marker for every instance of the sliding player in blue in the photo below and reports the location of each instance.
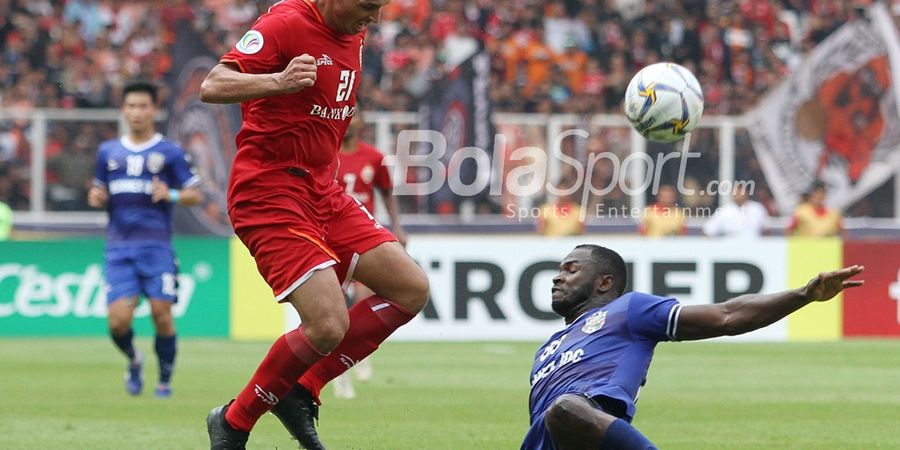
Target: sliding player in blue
(586, 378)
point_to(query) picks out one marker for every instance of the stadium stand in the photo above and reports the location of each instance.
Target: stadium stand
(565, 57)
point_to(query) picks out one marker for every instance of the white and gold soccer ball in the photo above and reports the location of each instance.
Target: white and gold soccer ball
(664, 102)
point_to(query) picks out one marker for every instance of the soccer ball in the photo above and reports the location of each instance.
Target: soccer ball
(664, 102)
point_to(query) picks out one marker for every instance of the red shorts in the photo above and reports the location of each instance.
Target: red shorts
(294, 231)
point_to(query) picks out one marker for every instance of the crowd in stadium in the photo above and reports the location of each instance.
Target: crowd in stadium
(573, 56)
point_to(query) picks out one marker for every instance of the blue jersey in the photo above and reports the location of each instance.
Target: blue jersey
(605, 352)
(126, 171)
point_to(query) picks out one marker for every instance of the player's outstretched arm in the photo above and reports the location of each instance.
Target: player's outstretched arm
(750, 312)
(226, 84)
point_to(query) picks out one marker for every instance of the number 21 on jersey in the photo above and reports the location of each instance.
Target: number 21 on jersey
(345, 88)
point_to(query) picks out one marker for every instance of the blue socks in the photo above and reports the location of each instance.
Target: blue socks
(622, 436)
(125, 343)
(165, 350)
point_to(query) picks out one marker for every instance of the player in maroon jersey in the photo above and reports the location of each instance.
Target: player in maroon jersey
(361, 173)
(295, 74)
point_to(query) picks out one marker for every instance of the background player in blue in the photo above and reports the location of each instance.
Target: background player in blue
(138, 178)
(586, 378)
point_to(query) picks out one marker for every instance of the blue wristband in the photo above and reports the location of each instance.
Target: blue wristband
(174, 196)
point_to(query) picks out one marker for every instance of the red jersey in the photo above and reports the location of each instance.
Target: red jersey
(361, 172)
(302, 130)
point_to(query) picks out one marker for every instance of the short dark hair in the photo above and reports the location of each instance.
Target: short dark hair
(818, 184)
(609, 262)
(141, 86)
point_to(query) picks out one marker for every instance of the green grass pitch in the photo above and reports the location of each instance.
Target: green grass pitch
(68, 394)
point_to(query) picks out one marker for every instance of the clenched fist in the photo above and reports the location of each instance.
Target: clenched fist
(300, 73)
(97, 197)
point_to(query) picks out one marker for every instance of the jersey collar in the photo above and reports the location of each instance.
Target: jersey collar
(137, 148)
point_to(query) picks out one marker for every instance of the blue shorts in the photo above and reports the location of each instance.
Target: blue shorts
(148, 270)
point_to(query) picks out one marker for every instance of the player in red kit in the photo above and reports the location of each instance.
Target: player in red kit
(295, 74)
(361, 173)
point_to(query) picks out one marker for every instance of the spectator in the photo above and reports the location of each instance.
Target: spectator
(562, 217)
(415, 13)
(538, 60)
(7, 199)
(617, 79)
(73, 168)
(813, 219)
(742, 218)
(663, 218)
(128, 39)
(6, 221)
(572, 62)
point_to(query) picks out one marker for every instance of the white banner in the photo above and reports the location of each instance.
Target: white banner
(834, 118)
(498, 288)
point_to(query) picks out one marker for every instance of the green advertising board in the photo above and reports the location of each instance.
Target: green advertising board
(56, 288)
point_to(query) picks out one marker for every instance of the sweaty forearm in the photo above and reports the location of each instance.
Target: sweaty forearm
(226, 85)
(752, 311)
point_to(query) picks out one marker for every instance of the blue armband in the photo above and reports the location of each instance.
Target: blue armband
(174, 196)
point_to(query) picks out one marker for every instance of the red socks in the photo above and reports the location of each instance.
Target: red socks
(371, 322)
(290, 356)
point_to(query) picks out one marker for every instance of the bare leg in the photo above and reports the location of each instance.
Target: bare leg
(577, 423)
(120, 314)
(574, 423)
